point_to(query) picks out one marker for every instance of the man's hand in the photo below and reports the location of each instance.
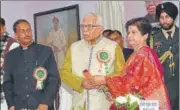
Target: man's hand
(88, 84)
(12, 108)
(42, 107)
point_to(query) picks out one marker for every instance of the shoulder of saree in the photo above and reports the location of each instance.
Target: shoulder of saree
(155, 88)
(152, 56)
(135, 61)
(152, 73)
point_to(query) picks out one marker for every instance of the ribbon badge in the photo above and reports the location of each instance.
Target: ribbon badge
(103, 57)
(40, 74)
(2, 62)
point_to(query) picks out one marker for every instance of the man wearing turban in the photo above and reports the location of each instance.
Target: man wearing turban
(166, 43)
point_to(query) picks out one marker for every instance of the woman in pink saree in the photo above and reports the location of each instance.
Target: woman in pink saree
(143, 71)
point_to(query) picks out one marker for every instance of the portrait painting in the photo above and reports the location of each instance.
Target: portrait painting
(58, 28)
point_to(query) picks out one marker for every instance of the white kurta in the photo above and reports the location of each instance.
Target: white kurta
(85, 57)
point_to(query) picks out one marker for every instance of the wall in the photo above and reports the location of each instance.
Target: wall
(13, 10)
(8, 12)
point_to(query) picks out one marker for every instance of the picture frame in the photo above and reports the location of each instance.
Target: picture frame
(58, 28)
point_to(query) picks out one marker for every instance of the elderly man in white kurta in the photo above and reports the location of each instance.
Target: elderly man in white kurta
(93, 53)
(56, 39)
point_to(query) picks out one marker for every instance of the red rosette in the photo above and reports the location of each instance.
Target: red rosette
(123, 108)
(113, 107)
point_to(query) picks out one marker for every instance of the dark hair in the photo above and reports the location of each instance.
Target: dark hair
(107, 30)
(2, 21)
(18, 22)
(116, 31)
(142, 24)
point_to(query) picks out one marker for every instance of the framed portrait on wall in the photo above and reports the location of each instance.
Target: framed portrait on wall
(58, 28)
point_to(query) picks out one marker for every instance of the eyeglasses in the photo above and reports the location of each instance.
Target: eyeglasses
(89, 26)
(154, 1)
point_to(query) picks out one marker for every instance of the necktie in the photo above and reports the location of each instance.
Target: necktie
(169, 38)
(171, 63)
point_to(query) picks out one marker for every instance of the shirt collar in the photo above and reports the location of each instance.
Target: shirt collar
(29, 46)
(166, 34)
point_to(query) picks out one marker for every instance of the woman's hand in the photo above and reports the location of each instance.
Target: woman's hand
(99, 80)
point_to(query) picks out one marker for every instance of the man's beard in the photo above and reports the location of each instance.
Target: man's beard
(169, 27)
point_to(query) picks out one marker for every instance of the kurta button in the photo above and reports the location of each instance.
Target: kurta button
(27, 95)
(25, 61)
(26, 78)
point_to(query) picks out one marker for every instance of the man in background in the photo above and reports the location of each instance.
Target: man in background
(117, 37)
(106, 32)
(151, 10)
(166, 43)
(7, 43)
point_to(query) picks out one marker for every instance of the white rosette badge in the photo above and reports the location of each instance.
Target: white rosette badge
(40, 74)
(103, 57)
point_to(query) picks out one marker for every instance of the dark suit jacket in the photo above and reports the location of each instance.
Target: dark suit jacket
(127, 52)
(171, 81)
(20, 85)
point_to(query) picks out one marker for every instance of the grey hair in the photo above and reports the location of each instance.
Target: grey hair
(98, 18)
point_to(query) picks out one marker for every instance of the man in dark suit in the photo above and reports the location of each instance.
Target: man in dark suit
(166, 43)
(117, 37)
(31, 76)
